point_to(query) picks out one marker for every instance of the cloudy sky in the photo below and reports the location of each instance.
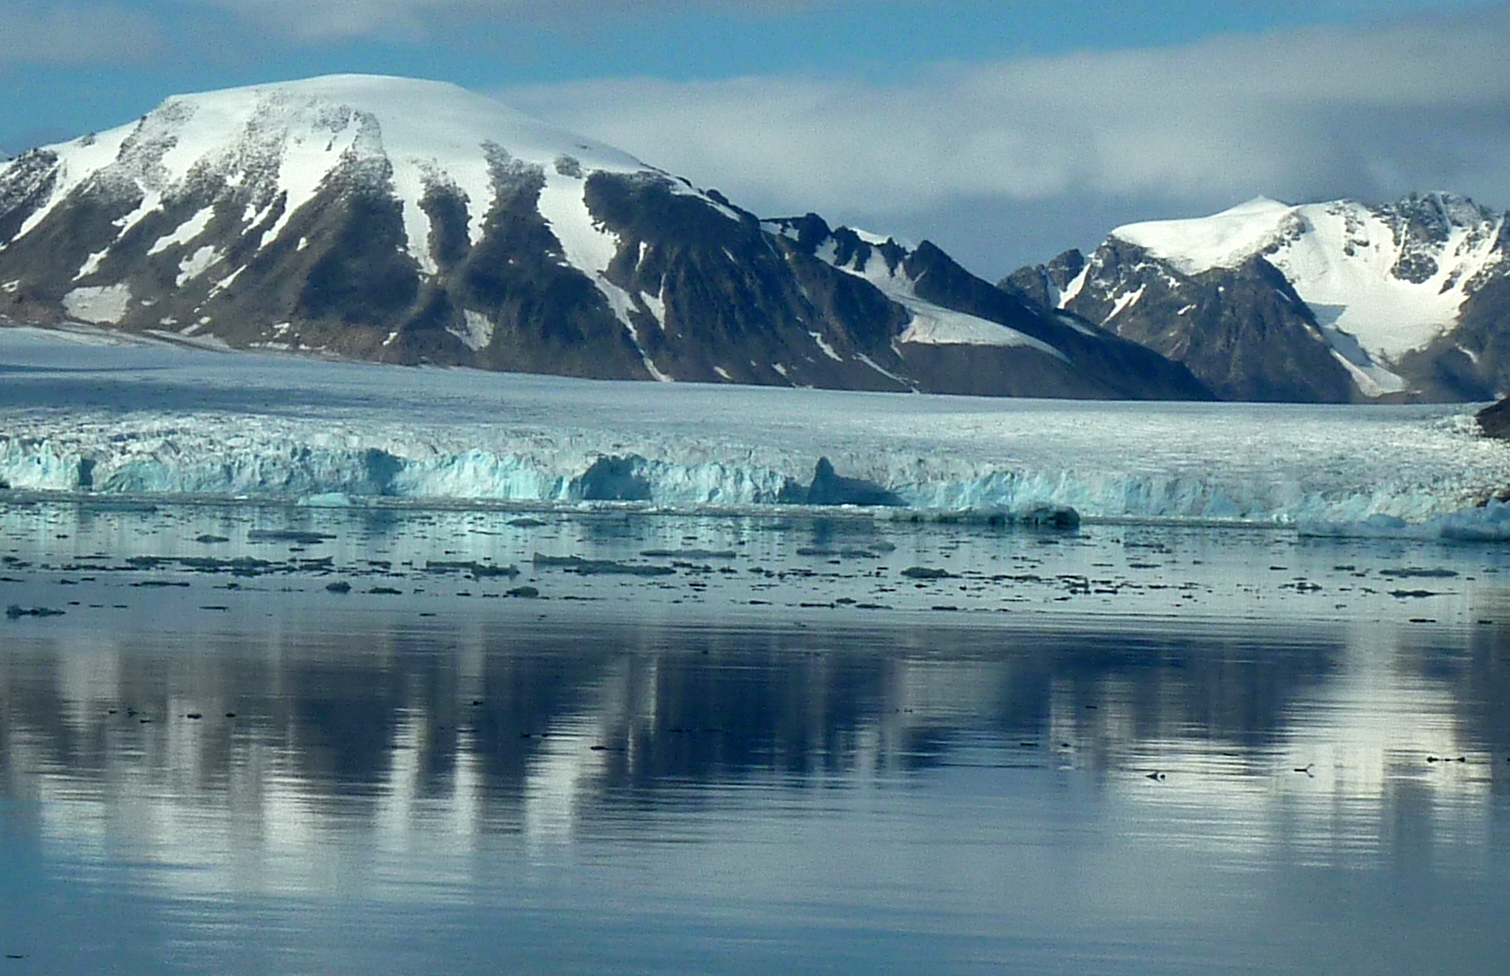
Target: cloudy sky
(1005, 131)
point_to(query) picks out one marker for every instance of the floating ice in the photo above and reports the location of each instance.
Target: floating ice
(1480, 523)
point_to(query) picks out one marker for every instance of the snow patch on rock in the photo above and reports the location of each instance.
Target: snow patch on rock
(931, 324)
(1224, 240)
(623, 308)
(91, 264)
(196, 264)
(657, 306)
(1125, 302)
(828, 350)
(185, 232)
(587, 245)
(104, 305)
(881, 369)
(477, 331)
(1073, 288)
(934, 326)
(77, 162)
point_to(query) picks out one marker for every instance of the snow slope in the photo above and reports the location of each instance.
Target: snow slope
(931, 324)
(1223, 240)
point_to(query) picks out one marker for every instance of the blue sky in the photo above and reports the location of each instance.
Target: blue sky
(1003, 130)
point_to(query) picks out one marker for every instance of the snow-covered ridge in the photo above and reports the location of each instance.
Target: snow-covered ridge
(284, 140)
(1222, 240)
(1389, 279)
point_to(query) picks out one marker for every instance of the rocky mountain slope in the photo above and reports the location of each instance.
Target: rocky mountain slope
(1324, 302)
(414, 222)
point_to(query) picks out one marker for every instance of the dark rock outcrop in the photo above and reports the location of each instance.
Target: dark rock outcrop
(1242, 331)
(1093, 363)
(1046, 284)
(1494, 420)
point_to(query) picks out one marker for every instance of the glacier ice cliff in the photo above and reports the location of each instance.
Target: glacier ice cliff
(88, 414)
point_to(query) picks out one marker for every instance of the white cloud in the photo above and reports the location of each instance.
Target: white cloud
(36, 33)
(1316, 113)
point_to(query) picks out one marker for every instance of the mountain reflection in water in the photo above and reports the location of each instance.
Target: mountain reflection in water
(921, 778)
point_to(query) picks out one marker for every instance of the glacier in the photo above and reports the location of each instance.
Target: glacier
(91, 413)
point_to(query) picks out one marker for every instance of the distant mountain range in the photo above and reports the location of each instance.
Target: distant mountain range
(1330, 302)
(414, 222)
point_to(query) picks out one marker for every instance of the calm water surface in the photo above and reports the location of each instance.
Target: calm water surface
(1128, 750)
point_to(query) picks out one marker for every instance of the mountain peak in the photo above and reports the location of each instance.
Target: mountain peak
(1259, 204)
(278, 146)
(416, 118)
(1439, 212)
(1379, 287)
(295, 129)
(1223, 240)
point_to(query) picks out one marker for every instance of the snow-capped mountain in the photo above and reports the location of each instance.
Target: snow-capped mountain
(410, 221)
(1330, 301)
